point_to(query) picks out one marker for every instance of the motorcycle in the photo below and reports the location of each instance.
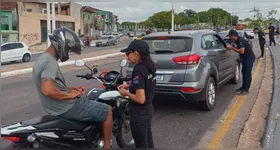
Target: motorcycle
(86, 43)
(56, 132)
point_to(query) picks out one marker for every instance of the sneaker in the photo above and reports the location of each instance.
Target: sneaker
(243, 92)
(239, 90)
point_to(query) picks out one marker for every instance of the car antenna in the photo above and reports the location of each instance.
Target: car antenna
(168, 31)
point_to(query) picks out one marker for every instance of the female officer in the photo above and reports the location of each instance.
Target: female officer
(140, 92)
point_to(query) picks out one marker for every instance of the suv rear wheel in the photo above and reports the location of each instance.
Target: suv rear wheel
(236, 77)
(210, 95)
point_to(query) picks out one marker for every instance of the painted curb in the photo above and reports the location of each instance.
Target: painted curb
(29, 70)
(271, 123)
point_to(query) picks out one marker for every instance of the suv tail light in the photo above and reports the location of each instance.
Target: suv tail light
(190, 90)
(12, 139)
(188, 59)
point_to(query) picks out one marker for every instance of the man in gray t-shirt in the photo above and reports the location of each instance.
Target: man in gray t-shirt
(46, 67)
(61, 100)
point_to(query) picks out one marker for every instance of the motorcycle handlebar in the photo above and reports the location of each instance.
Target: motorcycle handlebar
(87, 76)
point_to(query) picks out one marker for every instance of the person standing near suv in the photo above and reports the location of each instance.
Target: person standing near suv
(271, 34)
(140, 92)
(248, 57)
(261, 40)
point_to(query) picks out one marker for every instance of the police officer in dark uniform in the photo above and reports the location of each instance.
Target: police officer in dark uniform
(141, 93)
(248, 57)
(261, 40)
(271, 34)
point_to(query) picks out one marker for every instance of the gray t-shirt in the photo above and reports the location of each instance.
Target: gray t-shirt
(47, 66)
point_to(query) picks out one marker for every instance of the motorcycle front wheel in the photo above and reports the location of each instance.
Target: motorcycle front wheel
(124, 138)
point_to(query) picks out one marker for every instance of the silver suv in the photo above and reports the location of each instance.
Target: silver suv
(191, 65)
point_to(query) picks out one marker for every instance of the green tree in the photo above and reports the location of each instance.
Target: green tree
(219, 16)
(149, 22)
(162, 19)
(126, 23)
(181, 18)
(204, 17)
(190, 13)
(234, 20)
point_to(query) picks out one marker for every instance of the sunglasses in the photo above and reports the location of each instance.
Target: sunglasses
(128, 53)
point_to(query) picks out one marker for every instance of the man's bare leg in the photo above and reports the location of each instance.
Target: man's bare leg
(107, 128)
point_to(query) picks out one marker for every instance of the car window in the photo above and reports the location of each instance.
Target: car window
(160, 45)
(219, 42)
(16, 45)
(6, 47)
(224, 35)
(207, 42)
(104, 37)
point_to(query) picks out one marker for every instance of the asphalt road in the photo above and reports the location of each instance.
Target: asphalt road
(176, 124)
(123, 42)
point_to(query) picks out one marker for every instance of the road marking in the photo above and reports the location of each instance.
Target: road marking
(223, 129)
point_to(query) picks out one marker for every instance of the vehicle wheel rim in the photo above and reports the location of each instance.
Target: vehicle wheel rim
(211, 93)
(126, 132)
(237, 73)
(26, 57)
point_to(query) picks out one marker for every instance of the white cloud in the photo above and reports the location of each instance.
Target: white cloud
(138, 11)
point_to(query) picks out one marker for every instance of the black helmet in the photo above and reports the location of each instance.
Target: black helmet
(63, 41)
(111, 76)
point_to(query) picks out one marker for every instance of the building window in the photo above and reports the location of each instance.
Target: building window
(4, 23)
(29, 10)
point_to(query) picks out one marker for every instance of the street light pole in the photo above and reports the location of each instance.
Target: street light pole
(53, 16)
(48, 23)
(172, 22)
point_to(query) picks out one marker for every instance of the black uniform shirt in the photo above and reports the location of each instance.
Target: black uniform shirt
(261, 36)
(242, 43)
(142, 79)
(271, 30)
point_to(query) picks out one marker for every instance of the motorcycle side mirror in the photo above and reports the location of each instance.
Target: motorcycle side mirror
(123, 63)
(80, 62)
(95, 70)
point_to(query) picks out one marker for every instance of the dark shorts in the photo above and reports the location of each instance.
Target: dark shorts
(87, 110)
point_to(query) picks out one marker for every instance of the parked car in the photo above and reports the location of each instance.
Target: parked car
(131, 33)
(15, 51)
(250, 32)
(117, 35)
(191, 65)
(106, 40)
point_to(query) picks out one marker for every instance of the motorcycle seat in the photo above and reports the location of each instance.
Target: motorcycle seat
(50, 121)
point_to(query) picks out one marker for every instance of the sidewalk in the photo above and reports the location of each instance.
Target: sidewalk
(272, 133)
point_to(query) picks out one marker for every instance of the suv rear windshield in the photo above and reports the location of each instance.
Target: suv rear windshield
(163, 45)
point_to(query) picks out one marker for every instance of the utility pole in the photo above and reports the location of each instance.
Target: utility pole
(53, 16)
(48, 22)
(172, 22)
